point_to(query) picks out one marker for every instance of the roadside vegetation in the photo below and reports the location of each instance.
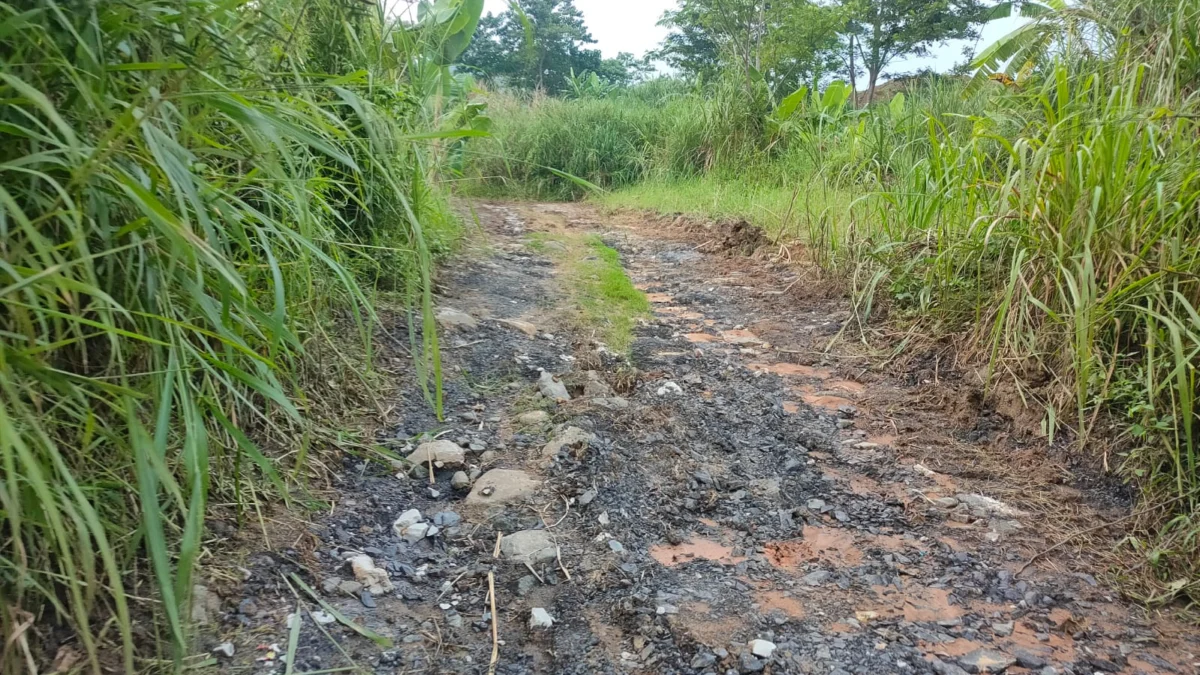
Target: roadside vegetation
(197, 200)
(1040, 203)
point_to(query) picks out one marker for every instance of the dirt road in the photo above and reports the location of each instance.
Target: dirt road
(730, 500)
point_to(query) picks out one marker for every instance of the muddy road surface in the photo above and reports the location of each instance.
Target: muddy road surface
(726, 496)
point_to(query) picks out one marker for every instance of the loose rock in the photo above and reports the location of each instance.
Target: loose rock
(445, 454)
(533, 417)
(762, 648)
(460, 480)
(552, 388)
(374, 579)
(572, 438)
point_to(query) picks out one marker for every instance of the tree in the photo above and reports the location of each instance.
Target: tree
(533, 45)
(884, 30)
(783, 43)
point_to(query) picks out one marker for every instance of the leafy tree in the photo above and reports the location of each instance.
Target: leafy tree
(533, 45)
(884, 30)
(783, 43)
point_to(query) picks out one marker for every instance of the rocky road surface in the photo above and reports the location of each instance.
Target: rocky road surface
(729, 499)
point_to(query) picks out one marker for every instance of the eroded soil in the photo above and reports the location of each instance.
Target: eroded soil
(774, 491)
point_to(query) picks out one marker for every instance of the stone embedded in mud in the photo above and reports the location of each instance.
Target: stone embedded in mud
(531, 546)
(597, 389)
(533, 417)
(983, 507)
(986, 661)
(669, 389)
(523, 326)
(445, 454)
(501, 486)
(817, 578)
(552, 388)
(540, 618)
(205, 604)
(612, 403)
(572, 438)
(454, 319)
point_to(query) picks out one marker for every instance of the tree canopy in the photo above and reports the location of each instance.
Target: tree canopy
(538, 44)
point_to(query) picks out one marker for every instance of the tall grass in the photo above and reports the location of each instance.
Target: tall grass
(183, 203)
(1052, 220)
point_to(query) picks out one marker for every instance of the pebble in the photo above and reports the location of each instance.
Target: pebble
(616, 546)
(367, 599)
(525, 584)
(373, 579)
(946, 502)
(460, 480)
(322, 617)
(224, 649)
(540, 618)
(1003, 629)
(573, 438)
(416, 532)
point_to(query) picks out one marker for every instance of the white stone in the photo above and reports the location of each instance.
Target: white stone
(571, 437)
(322, 617)
(416, 532)
(407, 519)
(762, 648)
(540, 618)
(224, 649)
(444, 454)
(375, 579)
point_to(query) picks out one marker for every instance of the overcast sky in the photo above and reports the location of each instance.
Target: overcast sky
(632, 26)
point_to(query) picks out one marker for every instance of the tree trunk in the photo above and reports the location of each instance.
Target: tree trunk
(853, 79)
(874, 75)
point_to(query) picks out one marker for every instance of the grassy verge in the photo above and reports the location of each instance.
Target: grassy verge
(192, 193)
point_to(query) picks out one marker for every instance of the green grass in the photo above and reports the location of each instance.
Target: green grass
(607, 300)
(188, 208)
(780, 210)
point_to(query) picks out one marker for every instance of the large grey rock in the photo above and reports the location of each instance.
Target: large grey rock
(986, 661)
(552, 388)
(445, 455)
(454, 319)
(531, 546)
(502, 486)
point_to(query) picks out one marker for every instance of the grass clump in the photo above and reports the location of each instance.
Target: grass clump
(607, 299)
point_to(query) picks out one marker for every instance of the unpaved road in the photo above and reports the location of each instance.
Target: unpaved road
(742, 486)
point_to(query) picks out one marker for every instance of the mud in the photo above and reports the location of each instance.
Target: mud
(768, 499)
